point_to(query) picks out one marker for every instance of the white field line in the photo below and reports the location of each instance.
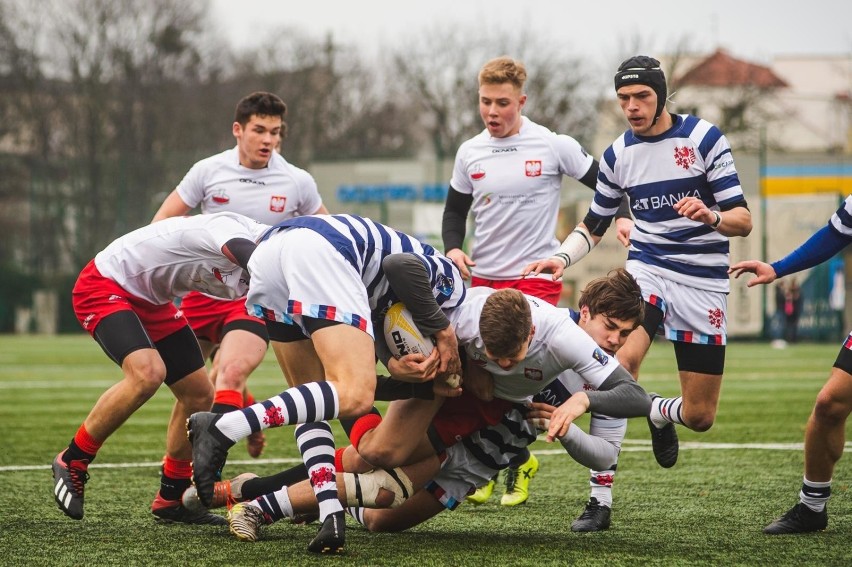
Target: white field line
(152, 464)
(630, 446)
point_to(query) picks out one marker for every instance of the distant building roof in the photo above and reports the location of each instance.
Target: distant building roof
(722, 70)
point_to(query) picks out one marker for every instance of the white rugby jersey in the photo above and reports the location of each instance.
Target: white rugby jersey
(365, 243)
(269, 195)
(692, 159)
(170, 258)
(558, 344)
(515, 183)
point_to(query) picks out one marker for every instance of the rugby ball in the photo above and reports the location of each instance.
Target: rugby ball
(402, 335)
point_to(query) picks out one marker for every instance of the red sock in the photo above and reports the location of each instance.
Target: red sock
(86, 442)
(176, 468)
(362, 425)
(230, 398)
(338, 459)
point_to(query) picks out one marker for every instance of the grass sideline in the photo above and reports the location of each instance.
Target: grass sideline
(708, 510)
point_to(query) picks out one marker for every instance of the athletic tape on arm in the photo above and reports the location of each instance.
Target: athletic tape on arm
(576, 246)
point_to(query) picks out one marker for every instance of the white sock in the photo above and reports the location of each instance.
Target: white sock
(602, 493)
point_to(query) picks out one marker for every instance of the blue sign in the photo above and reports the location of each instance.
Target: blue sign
(382, 193)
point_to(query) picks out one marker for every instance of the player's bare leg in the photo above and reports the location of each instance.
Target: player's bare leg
(239, 354)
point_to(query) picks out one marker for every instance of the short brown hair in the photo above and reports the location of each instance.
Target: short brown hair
(615, 295)
(503, 70)
(505, 322)
(261, 104)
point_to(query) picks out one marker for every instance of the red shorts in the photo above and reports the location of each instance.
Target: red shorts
(545, 289)
(96, 297)
(461, 416)
(207, 316)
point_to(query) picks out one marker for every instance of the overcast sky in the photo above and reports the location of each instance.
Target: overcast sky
(750, 29)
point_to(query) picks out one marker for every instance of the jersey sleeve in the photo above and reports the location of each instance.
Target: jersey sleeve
(575, 350)
(720, 169)
(574, 161)
(191, 187)
(460, 180)
(221, 228)
(309, 197)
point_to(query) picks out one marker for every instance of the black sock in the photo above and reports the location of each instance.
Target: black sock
(219, 407)
(348, 422)
(75, 453)
(256, 487)
(173, 488)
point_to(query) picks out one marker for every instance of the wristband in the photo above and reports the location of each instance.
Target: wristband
(715, 224)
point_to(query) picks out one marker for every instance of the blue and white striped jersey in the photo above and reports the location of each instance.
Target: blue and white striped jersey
(841, 220)
(364, 243)
(692, 159)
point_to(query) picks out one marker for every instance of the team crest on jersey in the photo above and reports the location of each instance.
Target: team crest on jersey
(534, 374)
(715, 317)
(221, 197)
(445, 285)
(533, 167)
(277, 203)
(599, 355)
(684, 157)
(477, 173)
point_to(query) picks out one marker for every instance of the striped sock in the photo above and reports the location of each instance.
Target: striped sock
(667, 410)
(357, 513)
(316, 443)
(815, 495)
(316, 401)
(276, 505)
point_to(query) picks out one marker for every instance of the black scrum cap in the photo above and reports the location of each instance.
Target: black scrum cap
(643, 70)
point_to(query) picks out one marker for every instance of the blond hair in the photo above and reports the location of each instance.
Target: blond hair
(503, 70)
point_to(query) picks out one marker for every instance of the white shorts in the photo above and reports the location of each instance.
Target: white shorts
(298, 273)
(690, 315)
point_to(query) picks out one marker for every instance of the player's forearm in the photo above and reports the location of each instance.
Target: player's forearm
(620, 396)
(734, 222)
(574, 248)
(825, 243)
(410, 282)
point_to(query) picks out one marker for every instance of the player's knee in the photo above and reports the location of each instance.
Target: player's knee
(701, 422)
(379, 455)
(147, 374)
(355, 403)
(830, 411)
(233, 374)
